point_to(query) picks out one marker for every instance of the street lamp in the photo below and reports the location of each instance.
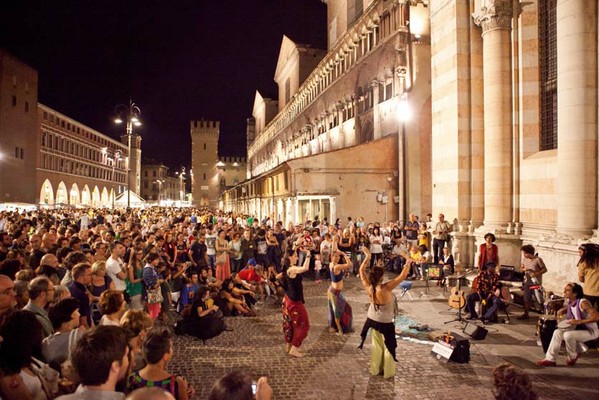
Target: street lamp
(404, 114)
(181, 186)
(130, 114)
(115, 159)
(159, 182)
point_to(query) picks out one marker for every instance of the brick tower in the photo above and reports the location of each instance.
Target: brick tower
(204, 157)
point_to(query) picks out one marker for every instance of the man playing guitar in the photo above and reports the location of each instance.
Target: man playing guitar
(483, 288)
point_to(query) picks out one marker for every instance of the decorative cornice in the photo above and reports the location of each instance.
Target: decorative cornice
(497, 14)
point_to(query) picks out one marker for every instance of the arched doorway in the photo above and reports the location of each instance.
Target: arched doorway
(85, 196)
(96, 197)
(105, 199)
(62, 195)
(74, 195)
(47, 193)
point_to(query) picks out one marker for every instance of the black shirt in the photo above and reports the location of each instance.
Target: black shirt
(293, 287)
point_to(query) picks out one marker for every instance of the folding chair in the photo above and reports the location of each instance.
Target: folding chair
(405, 289)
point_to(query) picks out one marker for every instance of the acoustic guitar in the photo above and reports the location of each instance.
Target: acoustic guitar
(457, 299)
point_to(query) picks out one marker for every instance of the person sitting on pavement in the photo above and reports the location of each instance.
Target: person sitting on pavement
(580, 314)
(239, 386)
(136, 323)
(511, 382)
(205, 319)
(533, 268)
(232, 300)
(482, 289)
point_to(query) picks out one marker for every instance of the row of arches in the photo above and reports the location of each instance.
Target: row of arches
(95, 197)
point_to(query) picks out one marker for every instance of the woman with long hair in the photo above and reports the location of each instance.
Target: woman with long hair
(223, 266)
(588, 271)
(340, 313)
(135, 279)
(99, 284)
(152, 281)
(295, 317)
(381, 316)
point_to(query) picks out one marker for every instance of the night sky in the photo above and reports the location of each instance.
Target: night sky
(178, 60)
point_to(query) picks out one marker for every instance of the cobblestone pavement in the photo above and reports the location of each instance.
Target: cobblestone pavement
(334, 368)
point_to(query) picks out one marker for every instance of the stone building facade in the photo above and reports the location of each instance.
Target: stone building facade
(48, 158)
(18, 130)
(503, 130)
(210, 174)
(315, 156)
(77, 165)
(515, 126)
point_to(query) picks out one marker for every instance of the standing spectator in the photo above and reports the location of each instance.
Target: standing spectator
(157, 349)
(100, 283)
(112, 306)
(49, 268)
(41, 292)
(588, 271)
(134, 282)
(533, 268)
(115, 267)
(235, 251)
(488, 253)
(376, 245)
(152, 282)
(248, 246)
(101, 359)
(22, 339)
(223, 266)
(210, 246)
(411, 228)
(440, 237)
(64, 315)
(8, 299)
(82, 275)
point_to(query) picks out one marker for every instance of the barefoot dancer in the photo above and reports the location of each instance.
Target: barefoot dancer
(340, 314)
(295, 316)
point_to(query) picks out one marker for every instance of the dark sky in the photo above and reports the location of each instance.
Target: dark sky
(178, 60)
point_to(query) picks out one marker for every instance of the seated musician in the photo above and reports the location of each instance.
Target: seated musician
(486, 283)
(579, 313)
(533, 268)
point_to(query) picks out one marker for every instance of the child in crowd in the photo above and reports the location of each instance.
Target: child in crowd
(317, 268)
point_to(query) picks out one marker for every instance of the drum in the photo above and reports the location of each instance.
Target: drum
(565, 325)
(546, 326)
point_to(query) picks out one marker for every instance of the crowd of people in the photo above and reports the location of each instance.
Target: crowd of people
(95, 287)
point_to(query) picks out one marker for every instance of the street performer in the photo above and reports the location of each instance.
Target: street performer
(483, 288)
(295, 317)
(583, 316)
(381, 316)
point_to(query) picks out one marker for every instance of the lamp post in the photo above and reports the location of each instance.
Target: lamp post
(404, 114)
(159, 182)
(129, 113)
(114, 159)
(181, 186)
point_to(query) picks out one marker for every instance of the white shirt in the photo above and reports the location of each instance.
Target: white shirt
(114, 267)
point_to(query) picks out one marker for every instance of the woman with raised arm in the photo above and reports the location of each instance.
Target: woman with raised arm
(295, 317)
(340, 313)
(381, 316)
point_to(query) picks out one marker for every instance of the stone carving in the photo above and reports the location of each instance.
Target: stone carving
(497, 14)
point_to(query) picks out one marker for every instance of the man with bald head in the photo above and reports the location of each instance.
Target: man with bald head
(41, 292)
(8, 298)
(49, 268)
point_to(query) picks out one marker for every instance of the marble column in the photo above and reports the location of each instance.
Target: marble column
(495, 19)
(576, 180)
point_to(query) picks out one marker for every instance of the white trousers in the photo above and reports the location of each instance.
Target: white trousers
(572, 339)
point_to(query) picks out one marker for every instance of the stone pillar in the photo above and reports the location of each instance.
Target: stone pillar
(495, 19)
(577, 117)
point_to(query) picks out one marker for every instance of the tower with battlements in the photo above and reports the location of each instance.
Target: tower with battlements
(205, 184)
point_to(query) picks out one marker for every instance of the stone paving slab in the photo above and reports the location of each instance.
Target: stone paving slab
(334, 368)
